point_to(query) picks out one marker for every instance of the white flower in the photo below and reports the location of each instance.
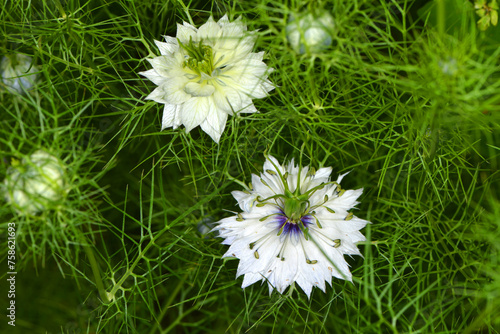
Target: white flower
(296, 226)
(33, 184)
(205, 74)
(18, 73)
(310, 33)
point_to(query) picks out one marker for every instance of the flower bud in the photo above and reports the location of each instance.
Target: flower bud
(35, 184)
(310, 33)
(17, 73)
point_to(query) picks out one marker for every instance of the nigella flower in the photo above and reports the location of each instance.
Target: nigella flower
(296, 226)
(34, 184)
(205, 74)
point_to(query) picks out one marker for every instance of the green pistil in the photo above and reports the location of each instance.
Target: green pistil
(200, 57)
(296, 205)
(295, 209)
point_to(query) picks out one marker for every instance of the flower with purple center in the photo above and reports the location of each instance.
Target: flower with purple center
(296, 227)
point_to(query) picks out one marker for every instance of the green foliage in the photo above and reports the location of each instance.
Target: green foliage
(407, 98)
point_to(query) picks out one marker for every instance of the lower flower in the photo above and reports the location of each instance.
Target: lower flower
(295, 227)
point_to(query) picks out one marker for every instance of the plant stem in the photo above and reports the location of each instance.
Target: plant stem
(97, 274)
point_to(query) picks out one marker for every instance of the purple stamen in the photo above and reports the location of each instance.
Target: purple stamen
(292, 228)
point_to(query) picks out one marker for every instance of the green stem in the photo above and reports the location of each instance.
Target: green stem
(130, 271)
(237, 181)
(186, 11)
(434, 126)
(169, 303)
(441, 11)
(97, 274)
(153, 240)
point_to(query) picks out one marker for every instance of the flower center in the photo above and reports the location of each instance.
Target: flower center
(298, 227)
(199, 57)
(295, 209)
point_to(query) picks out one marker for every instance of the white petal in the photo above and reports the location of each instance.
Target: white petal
(171, 117)
(323, 172)
(158, 95)
(245, 200)
(223, 21)
(196, 89)
(153, 76)
(346, 201)
(174, 90)
(339, 179)
(235, 29)
(215, 122)
(185, 32)
(249, 109)
(227, 99)
(163, 65)
(195, 110)
(166, 48)
(209, 30)
(171, 40)
(251, 278)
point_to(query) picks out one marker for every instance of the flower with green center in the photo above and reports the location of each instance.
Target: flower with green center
(296, 226)
(205, 74)
(35, 184)
(488, 13)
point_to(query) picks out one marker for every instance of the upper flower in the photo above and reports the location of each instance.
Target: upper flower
(34, 184)
(295, 227)
(207, 73)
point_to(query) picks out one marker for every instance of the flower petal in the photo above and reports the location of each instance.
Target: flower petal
(209, 30)
(153, 76)
(171, 116)
(174, 90)
(195, 111)
(166, 48)
(214, 123)
(196, 89)
(185, 32)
